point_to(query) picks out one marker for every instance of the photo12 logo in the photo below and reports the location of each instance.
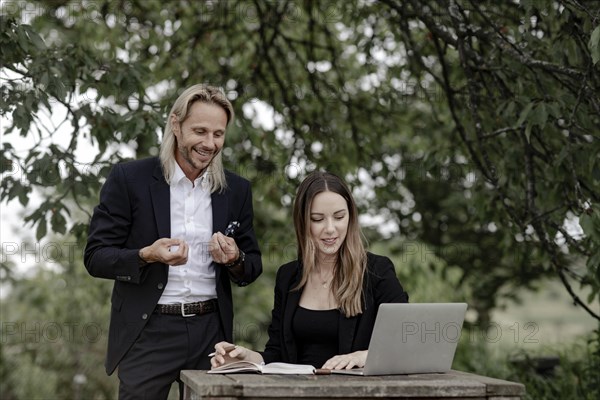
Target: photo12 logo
(434, 332)
(49, 332)
(50, 252)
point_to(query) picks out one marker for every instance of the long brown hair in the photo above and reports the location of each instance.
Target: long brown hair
(347, 284)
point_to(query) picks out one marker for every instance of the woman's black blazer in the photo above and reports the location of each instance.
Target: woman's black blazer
(380, 286)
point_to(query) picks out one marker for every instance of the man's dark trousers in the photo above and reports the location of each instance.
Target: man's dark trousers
(167, 345)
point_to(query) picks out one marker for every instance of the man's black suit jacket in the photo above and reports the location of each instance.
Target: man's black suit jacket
(380, 286)
(134, 211)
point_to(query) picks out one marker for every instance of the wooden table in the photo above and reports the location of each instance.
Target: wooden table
(451, 385)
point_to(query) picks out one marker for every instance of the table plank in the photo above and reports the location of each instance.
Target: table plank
(339, 386)
(203, 384)
(452, 385)
(496, 387)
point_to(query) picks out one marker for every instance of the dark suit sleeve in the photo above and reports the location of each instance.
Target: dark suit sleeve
(247, 242)
(387, 287)
(105, 254)
(273, 348)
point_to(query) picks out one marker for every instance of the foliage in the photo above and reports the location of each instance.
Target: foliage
(470, 126)
(469, 130)
(485, 115)
(575, 375)
(54, 330)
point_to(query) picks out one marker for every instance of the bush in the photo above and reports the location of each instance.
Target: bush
(574, 375)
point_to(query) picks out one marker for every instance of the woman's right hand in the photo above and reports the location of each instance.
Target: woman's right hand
(238, 353)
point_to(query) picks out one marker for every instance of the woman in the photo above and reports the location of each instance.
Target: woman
(327, 300)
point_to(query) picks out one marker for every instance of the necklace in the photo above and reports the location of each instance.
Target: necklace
(325, 282)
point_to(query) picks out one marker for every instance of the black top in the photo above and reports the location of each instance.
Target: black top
(316, 333)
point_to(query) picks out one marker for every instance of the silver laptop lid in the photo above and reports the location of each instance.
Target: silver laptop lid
(414, 338)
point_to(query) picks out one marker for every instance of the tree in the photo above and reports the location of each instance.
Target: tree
(470, 127)
(522, 94)
(54, 328)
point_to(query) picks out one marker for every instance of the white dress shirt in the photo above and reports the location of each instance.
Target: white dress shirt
(191, 220)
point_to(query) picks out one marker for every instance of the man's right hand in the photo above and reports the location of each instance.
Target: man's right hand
(167, 251)
(226, 353)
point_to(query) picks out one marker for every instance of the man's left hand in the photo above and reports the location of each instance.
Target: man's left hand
(223, 249)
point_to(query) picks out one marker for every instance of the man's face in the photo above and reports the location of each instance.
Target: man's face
(199, 138)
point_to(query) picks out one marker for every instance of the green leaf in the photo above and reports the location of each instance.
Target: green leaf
(591, 225)
(58, 222)
(524, 114)
(23, 39)
(595, 290)
(42, 229)
(23, 197)
(526, 4)
(140, 125)
(45, 79)
(594, 45)
(539, 115)
(58, 89)
(595, 173)
(528, 131)
(509, 110)
(554, 109)
(34, 37)
(564, 152)
(593, 264)
(22, 119)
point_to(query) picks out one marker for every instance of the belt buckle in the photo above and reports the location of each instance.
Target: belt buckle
(183, 314)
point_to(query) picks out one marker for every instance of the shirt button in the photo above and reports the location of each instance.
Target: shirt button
(160, 286)
(144, 316)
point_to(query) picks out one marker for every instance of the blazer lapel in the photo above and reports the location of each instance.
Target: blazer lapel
(161, 202)
(219, 211)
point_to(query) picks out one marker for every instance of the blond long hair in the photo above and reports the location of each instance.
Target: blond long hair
(215, 172)
(347, 284)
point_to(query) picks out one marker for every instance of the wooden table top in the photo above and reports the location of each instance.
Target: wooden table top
(454, 384)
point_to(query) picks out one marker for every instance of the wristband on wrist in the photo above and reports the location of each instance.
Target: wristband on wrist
(239, 260)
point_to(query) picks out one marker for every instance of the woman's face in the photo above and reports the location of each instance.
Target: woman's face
(329, 219)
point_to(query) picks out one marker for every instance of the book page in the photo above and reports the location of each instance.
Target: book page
(272, 368)
(237, 366)
(286, 368)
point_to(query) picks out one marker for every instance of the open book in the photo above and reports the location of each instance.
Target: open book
(272, 368)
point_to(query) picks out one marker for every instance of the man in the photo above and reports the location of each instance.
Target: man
(157, 232)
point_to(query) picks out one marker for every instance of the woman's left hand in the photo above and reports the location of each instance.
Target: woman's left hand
(347, 361)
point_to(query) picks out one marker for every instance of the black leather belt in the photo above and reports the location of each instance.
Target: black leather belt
(188, 309)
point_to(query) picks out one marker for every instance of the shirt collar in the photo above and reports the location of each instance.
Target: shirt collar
(178, 175)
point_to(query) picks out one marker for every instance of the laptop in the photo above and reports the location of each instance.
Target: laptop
(413, 338)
